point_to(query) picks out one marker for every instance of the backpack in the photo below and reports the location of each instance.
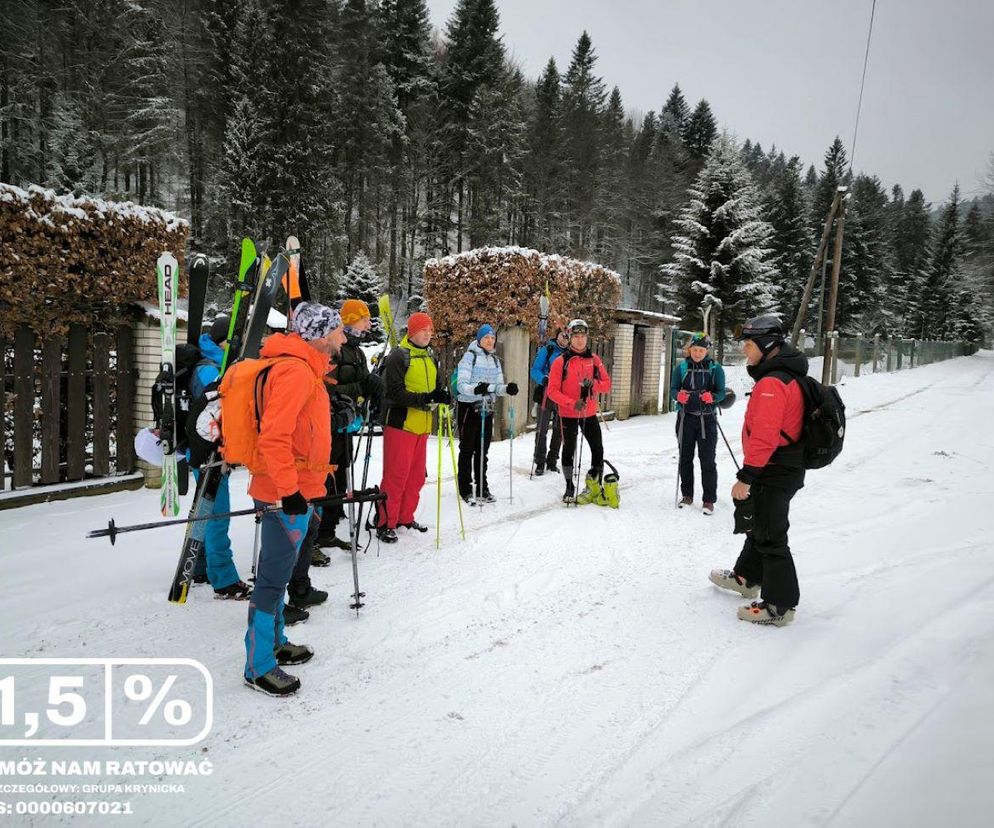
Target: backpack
(454, 377)
(188, 359)
(823, 429)
(229, 415)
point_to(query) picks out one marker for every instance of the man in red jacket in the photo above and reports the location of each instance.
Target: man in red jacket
(771, 474)
(575, 380)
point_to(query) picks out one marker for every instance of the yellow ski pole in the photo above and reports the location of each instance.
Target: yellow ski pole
(438, 495)
(455, 472)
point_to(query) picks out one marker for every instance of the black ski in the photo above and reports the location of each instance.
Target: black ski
(250, 341)
(199, 273)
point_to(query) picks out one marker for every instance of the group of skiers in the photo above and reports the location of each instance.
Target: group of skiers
(319, 392)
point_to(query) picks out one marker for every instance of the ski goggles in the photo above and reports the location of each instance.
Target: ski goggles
(578, 326)
(700, 340)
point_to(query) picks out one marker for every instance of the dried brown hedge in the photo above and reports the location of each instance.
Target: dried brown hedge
(502, 285)
(66, 259)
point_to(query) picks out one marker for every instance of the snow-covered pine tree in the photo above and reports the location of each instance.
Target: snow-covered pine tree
(674, 114)
(786, 208)
(543, 179)
(723, 247)
(911, 248)
(362, 281)
(700, 130)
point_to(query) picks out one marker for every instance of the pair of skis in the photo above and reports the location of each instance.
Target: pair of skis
(259, 279)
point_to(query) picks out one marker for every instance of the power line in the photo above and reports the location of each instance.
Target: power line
(859, 106)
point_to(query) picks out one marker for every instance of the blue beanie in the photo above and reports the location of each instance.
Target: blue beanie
(485, 330)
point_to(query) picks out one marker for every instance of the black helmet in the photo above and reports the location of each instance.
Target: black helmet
(760, 326)
(219, 328)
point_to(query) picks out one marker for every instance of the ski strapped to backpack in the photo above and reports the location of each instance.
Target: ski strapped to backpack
(823, 428)
(167, 271)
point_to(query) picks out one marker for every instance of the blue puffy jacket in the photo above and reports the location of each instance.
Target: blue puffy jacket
(478, 366)
(209, 367)
(543, 361)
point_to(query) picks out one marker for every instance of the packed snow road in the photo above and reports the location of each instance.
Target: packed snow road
(575, 667)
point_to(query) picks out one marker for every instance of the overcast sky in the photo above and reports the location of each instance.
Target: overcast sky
(788, 72)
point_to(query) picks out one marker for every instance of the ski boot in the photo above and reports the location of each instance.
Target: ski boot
(414, 526)
(591, 492)
(539, 470)
(307, 596)
(726, 579)
(293, 654)
(318, 558)
(570, 495)
(238, 591)
(294, 615)
(331, 541)
(552, 465)
(386, 534)
(275, 683)
(761, 612)
(486, 497)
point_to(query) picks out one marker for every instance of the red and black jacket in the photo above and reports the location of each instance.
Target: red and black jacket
(774, 418)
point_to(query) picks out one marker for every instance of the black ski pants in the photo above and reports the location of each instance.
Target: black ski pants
(469, 425)
(765, 558)
(300, 580)
(548, 425)
(591, 428)
(698, 431)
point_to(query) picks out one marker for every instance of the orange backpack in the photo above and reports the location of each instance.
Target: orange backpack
(241, 410)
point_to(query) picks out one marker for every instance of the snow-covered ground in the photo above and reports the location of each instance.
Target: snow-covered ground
(575, 667)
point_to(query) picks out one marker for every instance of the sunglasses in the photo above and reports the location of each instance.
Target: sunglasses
(579, 329)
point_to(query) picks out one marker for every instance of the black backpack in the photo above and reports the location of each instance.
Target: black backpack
(188, 359)
(823, 429)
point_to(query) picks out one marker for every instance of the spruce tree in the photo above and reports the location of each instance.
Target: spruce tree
(910, 244)
(943, 273)
(674, 114)
(700, 130)
(723, 247)
(582, 109)
(543, 174)
(786, 209)
(362, 281)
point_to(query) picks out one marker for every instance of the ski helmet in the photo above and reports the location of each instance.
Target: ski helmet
(578, 326)
(219, 328)
(700, 340)
(766, 331)
(729, 399)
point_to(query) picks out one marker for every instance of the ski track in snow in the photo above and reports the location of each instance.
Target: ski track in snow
(574, 666)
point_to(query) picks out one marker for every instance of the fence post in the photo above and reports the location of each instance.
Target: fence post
(859, 351)
(101, 404)
(876, 351)
(76, 405)
(667, 366)
(835, 356)
(899, 353)
(51, 407)
(24, 406)
(911, 356)
(125, 401)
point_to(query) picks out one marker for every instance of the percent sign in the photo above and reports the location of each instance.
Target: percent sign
(138, 687)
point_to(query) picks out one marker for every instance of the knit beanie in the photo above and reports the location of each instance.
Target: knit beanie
(353, 310)
(418, 322)
(314, 321)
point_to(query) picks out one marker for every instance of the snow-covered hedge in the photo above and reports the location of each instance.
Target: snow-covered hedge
(502, 285)
(65, 259)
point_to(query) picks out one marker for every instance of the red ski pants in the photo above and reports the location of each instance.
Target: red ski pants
(404, 472)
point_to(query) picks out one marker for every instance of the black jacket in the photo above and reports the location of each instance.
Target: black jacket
(352, 375)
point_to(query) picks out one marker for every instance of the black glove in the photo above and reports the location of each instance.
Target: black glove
(343, 412)
(295, 504)
(745, 514)
(585, 388)
(374, 387)
(440, 395)
(481, 388)
(512, 389)
(545, 380)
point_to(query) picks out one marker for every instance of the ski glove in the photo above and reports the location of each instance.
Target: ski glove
(745, 514)
(707, 398)
(683, 396)
(295, 504)
(440, 395)
(586, 386)
(481, 389)
(579, 405)
(512, 389)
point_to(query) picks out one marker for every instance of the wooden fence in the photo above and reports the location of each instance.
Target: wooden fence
(67, 406)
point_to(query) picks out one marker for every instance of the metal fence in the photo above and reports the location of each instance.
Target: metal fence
(852, 356)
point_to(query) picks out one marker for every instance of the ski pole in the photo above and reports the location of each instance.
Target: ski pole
(113, 530)
(579, 461)
(510, 469)
(483, 436)
(679, 453)
(438, 481)
(455, 473)
(353, 535)
(256, 543)
(723, 437)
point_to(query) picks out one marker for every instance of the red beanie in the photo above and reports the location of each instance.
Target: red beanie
(418, 322)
